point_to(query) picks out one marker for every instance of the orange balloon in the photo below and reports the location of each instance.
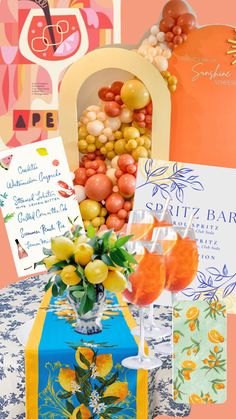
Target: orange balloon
(114, 203)
(126, 184)
(98, 187)
(174, 8)
(114, 222)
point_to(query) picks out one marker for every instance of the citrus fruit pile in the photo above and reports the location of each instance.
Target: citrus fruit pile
(81, 263)
(112, 136)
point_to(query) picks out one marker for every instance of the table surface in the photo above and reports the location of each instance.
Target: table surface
(18, 304)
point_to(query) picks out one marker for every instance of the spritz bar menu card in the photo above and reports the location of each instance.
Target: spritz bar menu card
(208, 194)
(37, 200)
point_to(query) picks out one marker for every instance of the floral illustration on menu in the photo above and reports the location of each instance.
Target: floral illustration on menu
(9, 216)
(212, 285)
(199, 336)
(168, 180)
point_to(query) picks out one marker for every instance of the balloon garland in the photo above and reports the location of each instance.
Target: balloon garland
(114, 133)
(176, 23)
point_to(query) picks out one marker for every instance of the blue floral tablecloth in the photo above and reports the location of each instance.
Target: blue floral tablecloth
(18, 304)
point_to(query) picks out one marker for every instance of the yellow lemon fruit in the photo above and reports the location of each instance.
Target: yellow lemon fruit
(104, 364)
(96, 271)
(195, 399)
(67, 378)
(214, 336)
(189, 364)
(50, 261)
(83, 253)
(69, 275)
(192, 313)
(115, 282)
(87, 353)
(62, 247)
(85, 412)
(118, 389)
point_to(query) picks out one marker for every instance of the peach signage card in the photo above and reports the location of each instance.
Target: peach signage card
(37, 200)
(206, 193)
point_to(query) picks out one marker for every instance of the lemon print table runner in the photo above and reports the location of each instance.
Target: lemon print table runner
(70, 375)
(199, 340)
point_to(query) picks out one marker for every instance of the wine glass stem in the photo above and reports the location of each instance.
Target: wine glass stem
(151, 317)
(141, 352)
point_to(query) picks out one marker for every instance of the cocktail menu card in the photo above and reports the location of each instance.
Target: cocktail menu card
(207, 193)
(37, 200)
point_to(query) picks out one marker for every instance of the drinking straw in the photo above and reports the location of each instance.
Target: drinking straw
(188, 225)
(174, 294)
(46, 10)
(165, 209)
(162, 217)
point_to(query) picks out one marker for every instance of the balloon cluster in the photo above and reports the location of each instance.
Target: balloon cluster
(155, 49)
(112, 136)
(119, 203)
(120, 124)
(171, 81)
(143, 117)
(177, 22)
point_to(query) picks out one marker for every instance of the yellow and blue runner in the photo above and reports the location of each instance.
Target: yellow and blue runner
(75, 376)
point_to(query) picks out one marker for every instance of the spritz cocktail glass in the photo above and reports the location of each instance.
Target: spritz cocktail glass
(146, 283)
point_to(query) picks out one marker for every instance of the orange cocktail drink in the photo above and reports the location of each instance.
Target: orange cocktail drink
(181, 263)
(146, 283)
(148, 280)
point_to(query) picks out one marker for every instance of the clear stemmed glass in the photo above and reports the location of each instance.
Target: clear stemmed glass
(146, 284)
(71, 43)
(181, 258)
(142, 224)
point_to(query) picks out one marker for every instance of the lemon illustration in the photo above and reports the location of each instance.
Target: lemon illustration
(85, 412)
(115, 282)
(62, 247)
(96, 271)
(83, 253)
(104, 364)
(67, 378)
(87, 353)
(69, 275)
(118, 389)
(42, 151)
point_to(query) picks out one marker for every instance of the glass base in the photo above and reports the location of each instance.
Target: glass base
(164, 348)
(144, 363)
(155, 332)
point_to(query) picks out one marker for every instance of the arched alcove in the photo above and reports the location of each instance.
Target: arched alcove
(93, 70)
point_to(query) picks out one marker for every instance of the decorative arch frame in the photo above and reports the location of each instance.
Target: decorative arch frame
(121, 59)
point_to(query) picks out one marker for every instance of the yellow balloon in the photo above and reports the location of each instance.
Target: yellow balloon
(135, 95)
(89, 209)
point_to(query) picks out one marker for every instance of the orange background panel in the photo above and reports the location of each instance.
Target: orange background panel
(203, 127)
